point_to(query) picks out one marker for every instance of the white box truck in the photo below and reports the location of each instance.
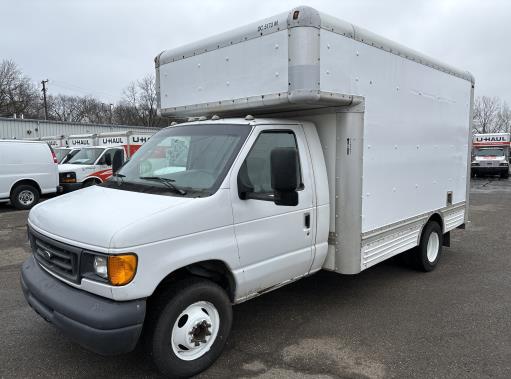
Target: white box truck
(343, 150)
(490, 154)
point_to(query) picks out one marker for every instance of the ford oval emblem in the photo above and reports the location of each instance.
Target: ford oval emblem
(47, 254)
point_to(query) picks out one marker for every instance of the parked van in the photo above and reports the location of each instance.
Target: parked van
(65, 153)
(28, 169)
(312, 144)
(91, 163)
(88, 166)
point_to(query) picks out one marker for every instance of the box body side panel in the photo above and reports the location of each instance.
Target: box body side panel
(416, 124)
(252, 68)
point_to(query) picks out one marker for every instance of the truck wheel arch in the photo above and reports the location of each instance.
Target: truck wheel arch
(92, 180)
(29, 182)
(435, 217)
(215, 270)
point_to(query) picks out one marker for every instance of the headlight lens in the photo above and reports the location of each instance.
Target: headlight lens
(504, 164)
(101, 266)
(121, 268)
(68, 177)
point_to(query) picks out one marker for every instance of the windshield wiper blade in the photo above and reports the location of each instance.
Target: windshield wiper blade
(168, 182)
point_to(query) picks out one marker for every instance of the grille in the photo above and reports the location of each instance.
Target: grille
(61, 259)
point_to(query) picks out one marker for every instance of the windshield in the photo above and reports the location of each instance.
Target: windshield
(193, 158)
(86, 156)
(490, 152)
(61, 153)
(69, 155)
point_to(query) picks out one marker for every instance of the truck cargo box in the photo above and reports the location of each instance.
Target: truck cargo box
(296, 60)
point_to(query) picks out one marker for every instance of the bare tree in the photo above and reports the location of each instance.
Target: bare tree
(491, 115)
(138, 104)
(503, 120)
(18, 95)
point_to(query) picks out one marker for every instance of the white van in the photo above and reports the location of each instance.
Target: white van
(28, 169)
(351, 149)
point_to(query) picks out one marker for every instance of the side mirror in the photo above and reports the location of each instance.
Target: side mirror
(108, 159)
(116, 161)
(284, 175)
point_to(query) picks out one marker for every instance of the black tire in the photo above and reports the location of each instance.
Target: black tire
(419, 254)
(24, 196)
(504, 175)
(164, 313)
(91, 182)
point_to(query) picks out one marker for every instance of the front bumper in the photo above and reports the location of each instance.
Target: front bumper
(489, 170)
(68, 187)
(101, 325)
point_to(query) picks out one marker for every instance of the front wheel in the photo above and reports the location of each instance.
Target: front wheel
(427, 254)
(191, 323)
(24, 196)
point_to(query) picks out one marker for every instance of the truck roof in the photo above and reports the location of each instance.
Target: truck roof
(253, 121)
(21, 141)
(312, 18)
(298, 60)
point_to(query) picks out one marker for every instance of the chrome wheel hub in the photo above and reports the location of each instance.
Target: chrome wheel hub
(195, 330)
(433, 247)
(26, 197)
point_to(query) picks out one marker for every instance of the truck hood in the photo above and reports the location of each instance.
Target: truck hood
(109, 218)
(72, 167)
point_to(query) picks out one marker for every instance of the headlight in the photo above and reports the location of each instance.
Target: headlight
(67, 177)
(101, 266)
(117, 270)
(475, 164)
(504, 164)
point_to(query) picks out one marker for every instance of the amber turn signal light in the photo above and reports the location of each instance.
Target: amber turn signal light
(121, 268)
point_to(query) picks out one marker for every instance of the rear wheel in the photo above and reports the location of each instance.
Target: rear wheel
(188, 327)
(24, 196)
(504, 175)
(427, 254)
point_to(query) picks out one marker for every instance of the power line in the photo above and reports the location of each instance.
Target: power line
(76, 88)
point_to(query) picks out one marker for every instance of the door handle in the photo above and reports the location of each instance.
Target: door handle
(307, 220)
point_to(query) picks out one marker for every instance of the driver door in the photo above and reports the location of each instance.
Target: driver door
(274, 241)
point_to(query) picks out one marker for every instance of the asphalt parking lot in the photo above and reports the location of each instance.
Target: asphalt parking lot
(389, 321)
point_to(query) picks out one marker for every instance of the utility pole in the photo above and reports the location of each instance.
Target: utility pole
(44, 96)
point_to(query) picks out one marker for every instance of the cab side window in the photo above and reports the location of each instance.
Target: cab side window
(110, 153)
(255, 172)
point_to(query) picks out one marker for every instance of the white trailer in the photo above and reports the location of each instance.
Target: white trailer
(55, 141)
(82, 140)
(350, 149)
(129, 140)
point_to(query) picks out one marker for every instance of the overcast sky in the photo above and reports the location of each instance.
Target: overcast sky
(96, 47)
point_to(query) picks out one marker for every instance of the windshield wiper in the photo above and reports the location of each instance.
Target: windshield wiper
(168, 182)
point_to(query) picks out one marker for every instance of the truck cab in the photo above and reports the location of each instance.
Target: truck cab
(491, 155)
(92, 164)
(88, 166)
